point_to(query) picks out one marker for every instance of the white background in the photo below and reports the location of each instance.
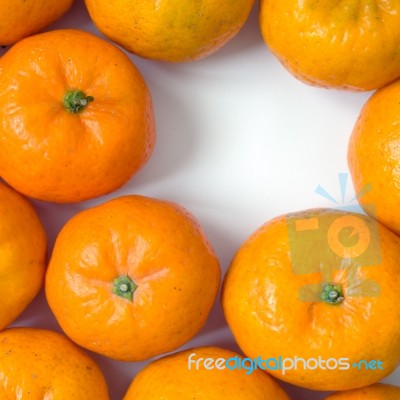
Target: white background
(240, 141)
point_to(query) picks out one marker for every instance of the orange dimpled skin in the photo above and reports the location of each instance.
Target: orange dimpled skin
(170, 378)
(77, 117)
(38, 364)
(170, 30)
(132, 278)
(318, 285)
(374, 156)
(20, 18)
(346, 44)
(22, 254)
(379, 391)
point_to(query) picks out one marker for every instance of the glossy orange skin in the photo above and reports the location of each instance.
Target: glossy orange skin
(374, 155)
(49, 153)
(22, 254)
(38, 364)
(19, 19)
(170, 30)
(262, 305)
(379, 391)
(169, 378)
(161, 248)
(345, 45)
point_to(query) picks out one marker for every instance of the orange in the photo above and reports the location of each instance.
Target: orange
(172, 30)
(19, 19)
(374, 156)
(379, 391)
(315, 293)
(171, 378)
(77, 117)
(132, 278)
(345, 45)
(38, 364)
(22, 254)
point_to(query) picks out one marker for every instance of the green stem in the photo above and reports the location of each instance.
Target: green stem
(332, 293)
(123, 286)
(75, 101)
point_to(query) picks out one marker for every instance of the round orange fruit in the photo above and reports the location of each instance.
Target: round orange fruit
(132, 278)
(173, 30)
(203, 374)
(19, 19)
(39, 364)
(77, 117)
(22, 254)
(345, 45)
(315, 293)
(374, 156)
(378, 391)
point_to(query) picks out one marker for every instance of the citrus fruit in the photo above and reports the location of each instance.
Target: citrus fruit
(171, 30)
(132, 278)
(345, 45)
(374, 156)
(378, 391)
(22, 254)
(39, 364)
(19, 19)
(316, 292)
(76, 115)
(172, 378)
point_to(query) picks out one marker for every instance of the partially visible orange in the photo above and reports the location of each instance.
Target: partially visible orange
(171, 378)
(77, 117)
(132, 278)
(335, 44)
(38, 364)
(173, 30)
(374, 156)
(22, 254)
(379, 391)
(320, 287)
(22, 18)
